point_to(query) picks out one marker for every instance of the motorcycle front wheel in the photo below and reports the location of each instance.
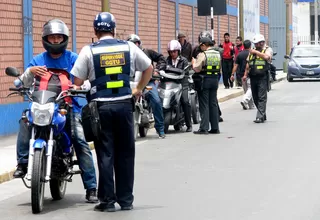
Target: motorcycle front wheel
(38, 180)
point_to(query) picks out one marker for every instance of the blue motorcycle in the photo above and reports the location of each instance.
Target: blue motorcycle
(50, 147)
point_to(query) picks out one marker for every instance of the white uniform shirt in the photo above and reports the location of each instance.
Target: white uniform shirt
(84, 67)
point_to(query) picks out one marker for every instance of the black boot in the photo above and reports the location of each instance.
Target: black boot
(21, 171)
(91, 196)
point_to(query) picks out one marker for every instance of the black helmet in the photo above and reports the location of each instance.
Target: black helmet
(134, 38)
(205, 34)
(105, 22)
(55, 26)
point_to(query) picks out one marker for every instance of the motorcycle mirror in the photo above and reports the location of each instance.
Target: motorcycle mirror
(12, 71)
(148, 88)
(187, 67)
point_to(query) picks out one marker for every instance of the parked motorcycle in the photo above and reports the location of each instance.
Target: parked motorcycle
(193, 99)
(142, 115)
(170, 91)
(50, 147)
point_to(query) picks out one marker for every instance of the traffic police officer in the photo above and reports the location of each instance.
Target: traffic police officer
(206, 79)
(257, 69)
(109, 64)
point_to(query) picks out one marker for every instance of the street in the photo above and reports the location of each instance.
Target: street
(248, 172)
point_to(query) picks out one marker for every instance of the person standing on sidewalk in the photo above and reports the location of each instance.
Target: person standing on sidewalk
(186, 47)
(227, 61)
(238, 70)
(257, 69)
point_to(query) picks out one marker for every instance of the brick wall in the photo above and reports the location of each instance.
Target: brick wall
(167, 23)
(148, 25)
(264, 11)
(85, 16)
(124, 14)
(44, 10)
(11, 47)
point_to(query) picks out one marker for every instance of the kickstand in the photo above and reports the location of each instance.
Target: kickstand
(24, 181)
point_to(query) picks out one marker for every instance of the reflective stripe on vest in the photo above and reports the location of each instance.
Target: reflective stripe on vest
(111, 59)
(64, 82)
(257, 65)
(212, 62)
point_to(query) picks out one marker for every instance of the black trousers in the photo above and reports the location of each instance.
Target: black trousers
(259, 88)
(208, 107)
(227, 66)
(186, 106)
(116, 152)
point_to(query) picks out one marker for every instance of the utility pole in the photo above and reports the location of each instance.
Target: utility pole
(288, 48)
(241, 18)
(316, 22)
(105, 6)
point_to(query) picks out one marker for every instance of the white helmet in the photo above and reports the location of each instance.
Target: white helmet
(258, 38)
(174, 45)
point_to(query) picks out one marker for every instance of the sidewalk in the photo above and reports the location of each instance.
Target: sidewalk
(8, 143)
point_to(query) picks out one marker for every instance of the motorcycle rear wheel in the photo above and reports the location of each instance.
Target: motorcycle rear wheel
(58, 188)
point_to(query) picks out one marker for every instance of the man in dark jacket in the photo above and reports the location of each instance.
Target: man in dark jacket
(186, 47)
(153, 94)
(177, 61)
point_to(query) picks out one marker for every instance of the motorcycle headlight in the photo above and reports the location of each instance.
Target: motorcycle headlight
(42, 114)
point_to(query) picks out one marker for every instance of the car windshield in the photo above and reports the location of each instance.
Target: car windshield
(305, 52)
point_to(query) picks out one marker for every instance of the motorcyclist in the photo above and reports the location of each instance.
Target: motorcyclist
(177, 61)
(55, 38)
(153, 94)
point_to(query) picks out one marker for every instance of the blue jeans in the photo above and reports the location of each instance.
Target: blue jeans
(156, 105)
(81, 148)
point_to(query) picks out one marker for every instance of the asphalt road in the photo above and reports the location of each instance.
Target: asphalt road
(248, 172)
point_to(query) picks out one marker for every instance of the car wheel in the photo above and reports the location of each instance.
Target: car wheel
(290, 79)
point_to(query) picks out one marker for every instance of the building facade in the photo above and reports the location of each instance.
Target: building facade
(155, 21)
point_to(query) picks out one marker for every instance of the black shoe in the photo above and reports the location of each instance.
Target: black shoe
(91, 196)
(21, 171)
(105, 207)
(189, 129)
(161, 135)
(201, 132)
(127, 208)
(220, 119)
(259, 120)
(215, 131)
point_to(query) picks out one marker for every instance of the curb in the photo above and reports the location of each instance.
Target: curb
(7, 176)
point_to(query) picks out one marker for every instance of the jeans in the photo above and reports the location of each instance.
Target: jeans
(81, 148)
(156, 105)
